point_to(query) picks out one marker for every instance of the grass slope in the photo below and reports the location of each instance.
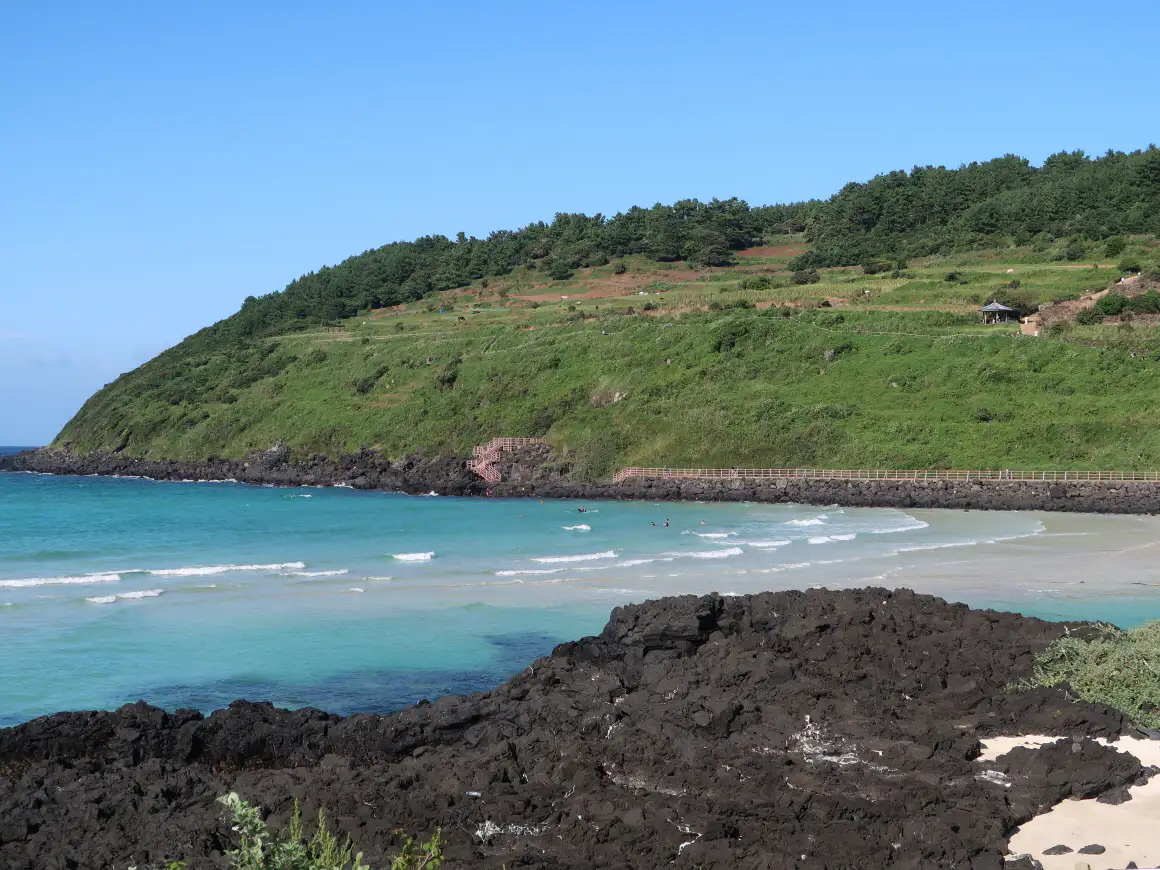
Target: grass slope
(900, 376)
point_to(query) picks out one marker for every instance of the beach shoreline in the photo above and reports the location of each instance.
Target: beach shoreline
(450, 475)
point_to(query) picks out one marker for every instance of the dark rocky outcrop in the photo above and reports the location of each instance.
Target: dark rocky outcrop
(833, 730)
(535, 473)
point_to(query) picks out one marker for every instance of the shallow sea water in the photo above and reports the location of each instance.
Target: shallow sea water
(194, 594)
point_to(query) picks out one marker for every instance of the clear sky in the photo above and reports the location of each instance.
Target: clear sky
(159, 161)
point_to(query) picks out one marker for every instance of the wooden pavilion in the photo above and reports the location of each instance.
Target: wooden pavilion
(996, 312)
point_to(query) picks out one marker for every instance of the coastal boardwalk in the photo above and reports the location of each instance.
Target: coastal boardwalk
(879, 474)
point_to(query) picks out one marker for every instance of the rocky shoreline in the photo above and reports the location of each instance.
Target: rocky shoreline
(803, 730)
(533, 473)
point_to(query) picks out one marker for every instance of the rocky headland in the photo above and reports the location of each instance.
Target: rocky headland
(535, 473)
(806, 730)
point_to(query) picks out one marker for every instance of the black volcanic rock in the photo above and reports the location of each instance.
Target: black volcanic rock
(833, 730)
(534, 473)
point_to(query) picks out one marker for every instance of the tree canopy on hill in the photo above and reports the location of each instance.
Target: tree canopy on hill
(932, 210)
(698, 232)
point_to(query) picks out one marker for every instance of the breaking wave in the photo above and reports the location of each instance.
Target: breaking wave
(205, 570)
(124, 596)
(584, 557)
(82, 580)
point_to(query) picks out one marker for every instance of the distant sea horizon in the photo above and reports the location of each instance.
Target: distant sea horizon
(9, 450)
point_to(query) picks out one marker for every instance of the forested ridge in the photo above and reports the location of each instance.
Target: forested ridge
(925, 211)
(934, 210)
(696, 232)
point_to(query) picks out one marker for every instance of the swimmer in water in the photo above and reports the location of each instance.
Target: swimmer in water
(582, 509)
(666, 522)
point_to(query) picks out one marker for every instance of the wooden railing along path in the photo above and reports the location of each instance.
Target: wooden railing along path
(878, 474)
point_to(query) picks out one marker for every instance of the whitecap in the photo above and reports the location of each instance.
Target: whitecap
(528, 571)
(579, 528)
(632, 563)
(765, 545)
(336, 573)
(913, 526)
(819, 520)
(583, 557)
(355, 589)
(82, 580)
(711, 554)
(942, 546)
(205, 570)
(124, 596)
(414, 557)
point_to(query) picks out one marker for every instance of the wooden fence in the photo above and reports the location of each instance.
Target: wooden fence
(879, 474)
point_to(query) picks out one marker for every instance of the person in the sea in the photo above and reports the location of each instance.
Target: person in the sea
(582, 509)
(666, 522)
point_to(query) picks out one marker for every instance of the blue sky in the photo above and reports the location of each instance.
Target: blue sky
(159, 162)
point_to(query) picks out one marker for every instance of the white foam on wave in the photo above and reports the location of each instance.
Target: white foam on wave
(207, 570)
(819, 520)
(826, 539)
(913, 526)
(632, 563)
(82, 580)
(355, 589)
(711, 554)
(336, 573)
(940, 546)
(766, 545)
(125, 596)
(579, 528)
(414, 557)
(527, 571)
(709, 534)
(583, 557)
(788, 566)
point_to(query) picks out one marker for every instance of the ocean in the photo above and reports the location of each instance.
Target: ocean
(195, 594)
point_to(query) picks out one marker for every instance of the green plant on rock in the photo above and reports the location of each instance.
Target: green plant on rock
(260, 849)
(1108, 666)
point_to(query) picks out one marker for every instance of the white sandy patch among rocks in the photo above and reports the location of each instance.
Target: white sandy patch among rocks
(1127, 831)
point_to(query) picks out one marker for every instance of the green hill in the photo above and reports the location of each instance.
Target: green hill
(738, 353)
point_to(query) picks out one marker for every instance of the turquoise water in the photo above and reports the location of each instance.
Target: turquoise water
(194, 594)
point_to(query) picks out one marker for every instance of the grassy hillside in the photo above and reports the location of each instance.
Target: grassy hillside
(896, 370)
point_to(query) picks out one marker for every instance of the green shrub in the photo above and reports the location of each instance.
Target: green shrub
(875, 267)
(757, 282)
(806, 276)
(260, 849)
(558, 270)
(1075, 250)
(619, 269)
(1131, 266)
(1120, 668)
(1088, 317)
(1114, 246)
(1110, 305)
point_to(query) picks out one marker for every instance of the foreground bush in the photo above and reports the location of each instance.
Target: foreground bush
(1119, 668)
(291, 850)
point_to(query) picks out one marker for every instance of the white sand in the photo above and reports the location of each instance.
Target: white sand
(1129, 831)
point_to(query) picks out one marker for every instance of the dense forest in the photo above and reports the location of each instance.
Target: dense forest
(696, 232)
(900, 214)
(932, 210)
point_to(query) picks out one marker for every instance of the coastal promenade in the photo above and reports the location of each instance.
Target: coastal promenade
(863, 474)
